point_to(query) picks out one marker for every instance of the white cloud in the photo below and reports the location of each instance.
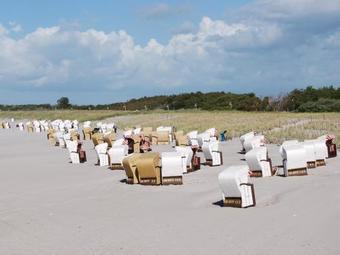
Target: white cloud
(252, 54)
(162, 10)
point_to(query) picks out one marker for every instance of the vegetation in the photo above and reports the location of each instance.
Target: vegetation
(326, 99)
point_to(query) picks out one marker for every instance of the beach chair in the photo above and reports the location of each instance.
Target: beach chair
(192, 137)
(294, 160)
(182, 140)
(203, 138)
(29, 127)
(148, 167)
(245, 137)
(60, 139)
(253, 142)
(321, 152)
(167, 129)
(237, 191)
(212, 154)
(117, 154)
(331, 146)
(259, 163)
(72, 147)
(130, 167)
(187, 155)
(147, 131)
(97, 138)
(109, 137)
(87, 133)
(103, 157)
(310, 153)
(172, 168)
(51, 136)
(21, 126)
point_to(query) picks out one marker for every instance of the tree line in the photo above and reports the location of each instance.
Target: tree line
(310, 99)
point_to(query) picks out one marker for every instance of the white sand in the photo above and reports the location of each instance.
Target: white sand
(49, 206)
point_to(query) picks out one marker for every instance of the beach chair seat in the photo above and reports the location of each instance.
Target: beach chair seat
(117, 154)
(148, 167)
(294, 160)
(237, 191)
(103, 157)
(130, 167)
(258, 162)
(172, 168)
(212, 154)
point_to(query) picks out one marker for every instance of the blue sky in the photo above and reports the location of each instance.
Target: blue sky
(109, 51)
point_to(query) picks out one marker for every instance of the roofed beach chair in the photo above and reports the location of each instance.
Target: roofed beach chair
(103, 157)
(187, 155)
(163, 137)
(130, 167)
(331, 146)
(148, 166)
(245, 137)
(212, 154)
(117, 154)
(51, 136)
(259, 163)
(87, 133)
(97, 138)
(72, 147)
(60, 139)
(253, 142)
(172, 168)
(147, 131)
(192, 137)
(294, 160)
(287, 143)
(29, 127)
(321, 152)
(237, 191)
(203, 138)
(109, 137)
(168, 129)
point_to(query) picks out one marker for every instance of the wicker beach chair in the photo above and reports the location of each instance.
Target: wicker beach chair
(259, 163)
(237, 191)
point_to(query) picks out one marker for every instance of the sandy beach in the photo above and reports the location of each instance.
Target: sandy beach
(50, 206)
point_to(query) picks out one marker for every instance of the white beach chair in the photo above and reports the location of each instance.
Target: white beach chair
(287, 143)
(245, 137)
(253, 142)
(237, 191)
(193, 139)
(117, 153)
(72, 149)
(259, 163)
(103, 157)
(172, 168)
(212, 154)
(294, 160)
(187, 155)
(203, 138)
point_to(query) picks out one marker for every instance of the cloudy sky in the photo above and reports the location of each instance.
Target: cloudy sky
(104, 51)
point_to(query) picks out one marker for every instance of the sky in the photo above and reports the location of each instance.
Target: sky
(97, 52)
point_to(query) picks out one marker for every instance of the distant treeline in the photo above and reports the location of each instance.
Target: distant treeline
(325, 99)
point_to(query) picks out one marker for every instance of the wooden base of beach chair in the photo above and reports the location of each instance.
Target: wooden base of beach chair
(311, 164)
(175, 180)
(149, 181)
(256, 173)
(297, 172)
(130, 180)
(320, 162)
(117, 167)
(232, 202)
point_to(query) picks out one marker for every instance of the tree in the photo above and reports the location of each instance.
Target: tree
(63, 103)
